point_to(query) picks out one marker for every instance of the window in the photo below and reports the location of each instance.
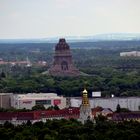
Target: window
(43, 102)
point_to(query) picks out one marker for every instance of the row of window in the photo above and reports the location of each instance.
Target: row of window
(43, 102)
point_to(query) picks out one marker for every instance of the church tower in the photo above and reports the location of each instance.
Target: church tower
(62, 64)
(85, 110)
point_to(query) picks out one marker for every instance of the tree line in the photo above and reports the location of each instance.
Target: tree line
(72, 130)
(107, 80)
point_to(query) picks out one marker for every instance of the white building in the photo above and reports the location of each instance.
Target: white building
(130, 54)
(20, 101)
(132, 103)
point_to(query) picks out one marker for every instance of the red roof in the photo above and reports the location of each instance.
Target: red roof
(35, 115)
(125, 115)
(17, 115)
(97, 109)
(69, 112)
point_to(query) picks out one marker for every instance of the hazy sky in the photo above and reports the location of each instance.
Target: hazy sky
(48, 18)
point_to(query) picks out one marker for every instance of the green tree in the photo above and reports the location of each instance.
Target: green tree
(56, 107)
(118, 108)
(38, 107)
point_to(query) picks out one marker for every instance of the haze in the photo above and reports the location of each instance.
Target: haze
(50, 18)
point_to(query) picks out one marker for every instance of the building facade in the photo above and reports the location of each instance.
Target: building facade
(20, 101)
(130, 54)
(17, 118)
(131, 103)
(5, 100)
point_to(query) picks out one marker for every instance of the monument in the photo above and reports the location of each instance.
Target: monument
(62, 63)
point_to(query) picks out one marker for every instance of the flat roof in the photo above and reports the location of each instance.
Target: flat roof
(6, 93)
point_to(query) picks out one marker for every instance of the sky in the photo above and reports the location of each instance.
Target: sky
(51, 18)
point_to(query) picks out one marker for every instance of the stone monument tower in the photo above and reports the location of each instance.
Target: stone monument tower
(85, 110)
(62, 64)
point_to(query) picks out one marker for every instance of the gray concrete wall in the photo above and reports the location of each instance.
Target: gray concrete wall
(132, 103)
(5, 101)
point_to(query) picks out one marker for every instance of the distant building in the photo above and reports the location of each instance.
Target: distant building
(96, 94)
(20, 101)
(62, 64)
(106, 111)
(41, 63)
(130, 54)
(2, 62)
(131, 103)
(18, 118)
(26, 63)
(19, 63)
(126, 116)
(97, 111)
(5, 100)
(101, 111)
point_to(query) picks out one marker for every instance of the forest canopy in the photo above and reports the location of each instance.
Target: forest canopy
(107, 71)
